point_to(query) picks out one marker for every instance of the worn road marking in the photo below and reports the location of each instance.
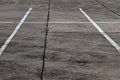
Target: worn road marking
(101, 31)
(14, 32)
(61, 22)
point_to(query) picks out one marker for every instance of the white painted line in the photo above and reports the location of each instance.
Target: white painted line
(82, 22)
(7, 22)
(14, 32)
(61, 22)
(101, 31)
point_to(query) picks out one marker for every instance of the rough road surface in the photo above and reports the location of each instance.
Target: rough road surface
(75, 49)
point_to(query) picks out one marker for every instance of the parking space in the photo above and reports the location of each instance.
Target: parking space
(77, 53)
(22, 59)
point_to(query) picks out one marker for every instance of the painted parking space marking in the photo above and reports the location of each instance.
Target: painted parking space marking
(101, 31)
(14, 32)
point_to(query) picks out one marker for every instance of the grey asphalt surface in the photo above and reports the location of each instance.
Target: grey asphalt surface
(75, 51)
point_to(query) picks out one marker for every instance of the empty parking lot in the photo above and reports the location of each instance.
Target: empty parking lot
(59, 40)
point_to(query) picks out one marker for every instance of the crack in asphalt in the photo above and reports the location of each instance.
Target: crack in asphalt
(108, 8)
(45, 42)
